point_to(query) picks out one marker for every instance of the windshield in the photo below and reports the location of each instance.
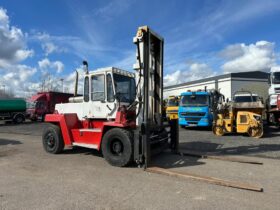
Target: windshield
(125, 88)
(172, 102)
(30, 104)
(195, 100)
(276, 78)
(240, 99)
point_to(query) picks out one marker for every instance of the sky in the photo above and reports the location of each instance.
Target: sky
(43, 42)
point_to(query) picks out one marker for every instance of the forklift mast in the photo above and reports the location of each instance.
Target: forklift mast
(153, 136)
(149, 76)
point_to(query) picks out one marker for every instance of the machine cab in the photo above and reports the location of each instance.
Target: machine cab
(104, 91)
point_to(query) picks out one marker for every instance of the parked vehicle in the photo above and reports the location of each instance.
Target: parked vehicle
(196, 108)
(44, 103)
(273, 102)
(120, 112)
(239, 116)
(13, 109)
(172, 107)
(240, 97)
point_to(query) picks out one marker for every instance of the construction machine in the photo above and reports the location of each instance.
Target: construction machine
(239, 117)
(120, 112)
(172, 107)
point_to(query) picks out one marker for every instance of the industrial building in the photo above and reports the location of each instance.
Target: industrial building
(228, 84)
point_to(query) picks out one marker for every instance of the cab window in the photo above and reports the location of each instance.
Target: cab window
(110, 90)
(97, 88)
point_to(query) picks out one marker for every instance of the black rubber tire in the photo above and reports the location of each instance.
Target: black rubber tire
(52, 139)
(43, 118)
(123, 137)
(18, 119)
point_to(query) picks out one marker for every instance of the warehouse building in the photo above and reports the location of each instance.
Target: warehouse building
(228, 84)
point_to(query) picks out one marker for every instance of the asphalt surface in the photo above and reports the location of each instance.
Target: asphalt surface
(81, 179)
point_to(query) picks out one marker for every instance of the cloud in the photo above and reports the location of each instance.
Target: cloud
(49, 48)
(253, 57)
(118, 6)
(46, 64)
(192, 72)
(12, 41)
(16, 78)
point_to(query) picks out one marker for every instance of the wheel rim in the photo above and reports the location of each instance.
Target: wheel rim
(116, 147)
(50, 140)
(19, 119)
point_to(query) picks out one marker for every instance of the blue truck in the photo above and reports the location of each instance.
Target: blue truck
(196, 108)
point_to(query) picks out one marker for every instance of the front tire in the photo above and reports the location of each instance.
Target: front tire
(52, 139)
(117, 147)
(218, 130)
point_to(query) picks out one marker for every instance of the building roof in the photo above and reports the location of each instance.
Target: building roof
(244, 75)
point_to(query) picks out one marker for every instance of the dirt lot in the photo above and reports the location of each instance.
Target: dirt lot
(81, 179)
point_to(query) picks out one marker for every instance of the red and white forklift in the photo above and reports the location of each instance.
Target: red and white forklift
(120, 112)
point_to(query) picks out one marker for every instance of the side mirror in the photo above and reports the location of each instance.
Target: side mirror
(227, 100)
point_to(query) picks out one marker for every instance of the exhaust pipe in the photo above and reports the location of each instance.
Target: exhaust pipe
(85, 63)
(76, 84)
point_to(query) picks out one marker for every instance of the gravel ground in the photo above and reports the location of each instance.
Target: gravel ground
(202, 140)
(81, 179)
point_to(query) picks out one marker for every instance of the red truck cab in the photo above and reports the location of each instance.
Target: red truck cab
(44, 103)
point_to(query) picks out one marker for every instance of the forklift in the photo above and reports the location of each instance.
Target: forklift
(120, 112)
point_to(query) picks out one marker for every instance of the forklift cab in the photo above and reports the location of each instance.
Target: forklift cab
(105, 90)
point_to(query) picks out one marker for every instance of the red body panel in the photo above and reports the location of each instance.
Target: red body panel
(89, 131)
(47, 101)
(278, 102)
(67, 122)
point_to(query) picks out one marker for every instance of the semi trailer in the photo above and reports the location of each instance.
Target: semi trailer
(13, 109)
(120, 112)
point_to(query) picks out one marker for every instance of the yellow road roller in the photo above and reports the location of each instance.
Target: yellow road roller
(239, 116)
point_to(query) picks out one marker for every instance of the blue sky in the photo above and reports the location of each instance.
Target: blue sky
(49, 39)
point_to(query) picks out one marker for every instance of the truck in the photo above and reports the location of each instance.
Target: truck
(172, 107)
(13, 109)
(196, 107)
(273, 101)
(43, 103)
(120, 112)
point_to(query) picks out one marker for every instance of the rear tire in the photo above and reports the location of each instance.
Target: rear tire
(256, 132)
(18, 119)
(52, 139)
(117, 147)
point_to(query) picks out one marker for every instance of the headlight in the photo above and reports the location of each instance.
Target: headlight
(204, 120)
(257, 117)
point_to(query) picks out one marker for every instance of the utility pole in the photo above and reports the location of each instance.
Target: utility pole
(62, 84)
